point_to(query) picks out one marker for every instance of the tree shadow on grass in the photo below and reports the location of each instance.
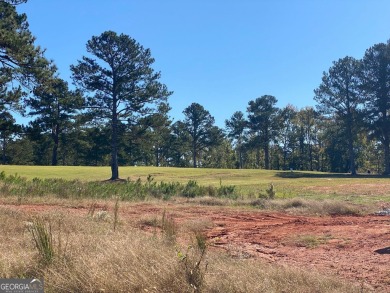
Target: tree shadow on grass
(299, 174)
(385, 250)
(119, 180)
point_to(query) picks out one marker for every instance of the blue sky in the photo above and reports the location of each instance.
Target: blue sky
(220, 53)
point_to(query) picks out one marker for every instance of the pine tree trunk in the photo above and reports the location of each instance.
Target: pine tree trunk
(258, 158)
(386, 150)
(351, 151)
(240, 157)
(194, 155)
(157, 154)
(114, 143)
(54, 159)
(4, 157)
(266, 156)
(54, 156)
(239, 147)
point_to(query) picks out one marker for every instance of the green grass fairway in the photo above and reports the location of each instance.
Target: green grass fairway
(286, 183)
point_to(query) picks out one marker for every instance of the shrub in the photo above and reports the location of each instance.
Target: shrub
(335, 208)
(295, 203)
(269, 193)
(192, 189)
(227, 191)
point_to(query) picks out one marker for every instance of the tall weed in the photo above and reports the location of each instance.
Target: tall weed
(168, 227)
(193, 263)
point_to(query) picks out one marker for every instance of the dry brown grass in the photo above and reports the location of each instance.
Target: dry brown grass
(309, 207)
(249, 275)
(98, 259)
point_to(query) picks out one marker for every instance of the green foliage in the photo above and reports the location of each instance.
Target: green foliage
(339, 95)
(311, 241)
(192, 189)
(20, 59)
(228, 191)
(200, 131)
(122, 82)
(236, 127)
(55, 107)
(122, 190)
(269, 192)
(263, 124)
(376, 88)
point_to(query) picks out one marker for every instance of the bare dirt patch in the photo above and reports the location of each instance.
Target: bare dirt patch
(356, 248)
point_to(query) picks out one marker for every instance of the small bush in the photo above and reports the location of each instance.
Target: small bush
(335, 208)
(295, 203)
(227, 191)
(192, 189)
(270, 191)
(211, 201)
(258, 203)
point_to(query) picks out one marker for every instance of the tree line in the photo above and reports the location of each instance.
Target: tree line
(118, 113)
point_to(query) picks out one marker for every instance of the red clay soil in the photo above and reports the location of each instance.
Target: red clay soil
(355, 248)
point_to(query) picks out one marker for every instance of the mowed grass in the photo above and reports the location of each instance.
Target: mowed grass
(248, 182)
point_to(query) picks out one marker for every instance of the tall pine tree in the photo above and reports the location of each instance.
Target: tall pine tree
(120, 82)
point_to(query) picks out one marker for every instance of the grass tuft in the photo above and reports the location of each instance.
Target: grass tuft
(168, 227)
(116, 213)
(41, 232)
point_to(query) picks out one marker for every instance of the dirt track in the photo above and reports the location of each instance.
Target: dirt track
(354, 248)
